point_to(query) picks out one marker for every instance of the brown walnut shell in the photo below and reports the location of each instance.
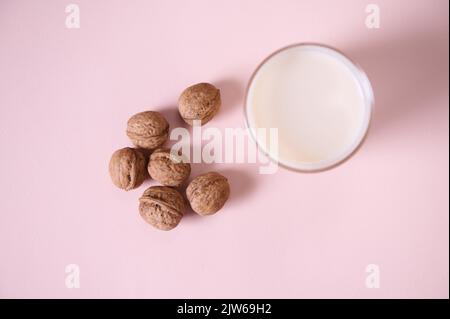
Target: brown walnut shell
(199, 102)
(148, 129)
(208, 193)
(127, 168)
(162, 207)
(166, 169)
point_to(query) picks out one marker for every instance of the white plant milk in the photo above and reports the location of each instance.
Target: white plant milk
(319, 101)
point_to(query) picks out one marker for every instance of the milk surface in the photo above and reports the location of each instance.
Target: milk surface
(319, 101)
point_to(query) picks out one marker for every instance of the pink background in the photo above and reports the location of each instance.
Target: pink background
(65, 96)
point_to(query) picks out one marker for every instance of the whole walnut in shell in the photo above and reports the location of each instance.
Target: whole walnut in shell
(168, 169)
(208, 193)
(128, 168)
(162, 207)
(199, 102)
(148, 129)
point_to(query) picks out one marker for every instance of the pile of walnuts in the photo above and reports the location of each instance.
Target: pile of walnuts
(164, 206)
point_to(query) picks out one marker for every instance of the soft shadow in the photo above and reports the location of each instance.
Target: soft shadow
(406, 73)
(231, 93)
(170, 112)
(242, 183)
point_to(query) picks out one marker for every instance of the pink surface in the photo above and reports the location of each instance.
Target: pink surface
(65, 96)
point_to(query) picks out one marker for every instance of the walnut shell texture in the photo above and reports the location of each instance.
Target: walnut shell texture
(128, 168)
(207, 193)
(199, 102)
(162, 207)
(148, 130)
(166, 170)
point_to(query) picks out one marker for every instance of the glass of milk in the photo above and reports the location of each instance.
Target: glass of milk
(319, 101)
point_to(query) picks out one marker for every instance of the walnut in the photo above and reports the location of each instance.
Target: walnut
(199, 102)
(127, 168)
(162, 207)
(148, 130)
(208, 193)
(167, 169)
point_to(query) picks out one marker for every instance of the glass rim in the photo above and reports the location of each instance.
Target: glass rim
(363, 82)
